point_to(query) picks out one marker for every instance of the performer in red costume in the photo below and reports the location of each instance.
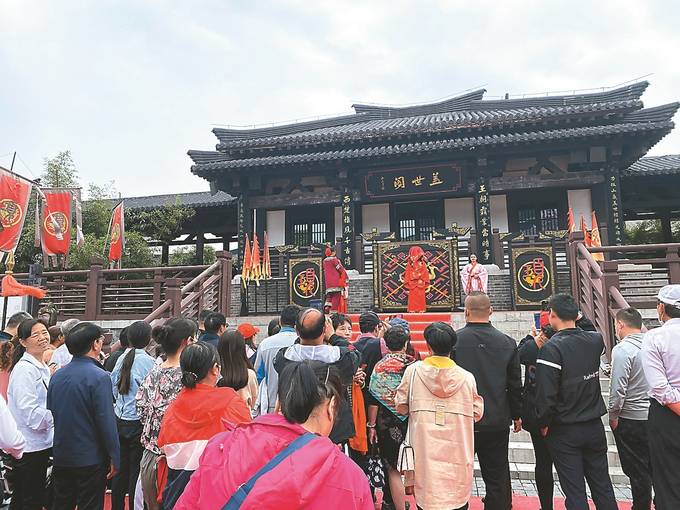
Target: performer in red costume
(335, 277)
(416, 280)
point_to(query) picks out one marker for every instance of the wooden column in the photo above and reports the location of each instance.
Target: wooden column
(200, 249)
(165, 254)
(666, 230)
(260, 223)
(614, 206)
(244, 223)
(92, 294)
(483, 221)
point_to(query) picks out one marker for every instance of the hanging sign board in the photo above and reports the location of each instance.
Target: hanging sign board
(534, 276)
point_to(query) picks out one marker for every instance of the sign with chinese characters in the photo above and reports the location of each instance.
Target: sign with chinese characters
(533, 276)
(347, 216)
(442, 263)
(241, 226)
(413, 181)
(483, 215)
(613, 185)
(305, 280)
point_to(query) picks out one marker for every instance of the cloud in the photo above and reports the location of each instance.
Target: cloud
(129, 86)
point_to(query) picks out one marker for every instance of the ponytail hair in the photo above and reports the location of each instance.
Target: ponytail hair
(171, 334)
(7, 354)
(139, 336)
(304, 386)
(196, 361)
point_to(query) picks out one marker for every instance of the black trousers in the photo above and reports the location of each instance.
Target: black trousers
(131, 449)
(633, 446)
(543, 470)
(663, 427)
(579, 452)
(28, 480)
(492, 452)
(83, 487)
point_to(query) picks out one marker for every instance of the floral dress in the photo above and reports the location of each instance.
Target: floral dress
(159, 389)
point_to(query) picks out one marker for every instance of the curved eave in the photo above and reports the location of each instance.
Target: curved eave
(458, 144)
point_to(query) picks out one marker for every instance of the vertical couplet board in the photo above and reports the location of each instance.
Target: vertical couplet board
(305, 280)
(534, 276)
(390, 263)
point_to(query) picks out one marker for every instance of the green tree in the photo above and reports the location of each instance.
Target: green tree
(162, 224)
(97, 208)
(60, 172)
(186, 256)
(643, 232)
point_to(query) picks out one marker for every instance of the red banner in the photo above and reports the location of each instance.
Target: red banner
(56, 222)
(117, 234)
(14, 195)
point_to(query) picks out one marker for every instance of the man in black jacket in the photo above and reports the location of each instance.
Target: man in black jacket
(491, 356)
(569, 407)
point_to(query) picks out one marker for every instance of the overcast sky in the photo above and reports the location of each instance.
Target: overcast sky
(130, 86)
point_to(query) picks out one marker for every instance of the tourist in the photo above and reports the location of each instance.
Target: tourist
(11, 440)
(569, 407)
(492, 357)
(56, 339)
(249, 332)
(13, 322)
(86, 449)
(273, 327)
(159, 388)
(312, 328)
(336, 283)
(215, 324)
(317, 477)
(117, 350)
(661, 364)
(442, 404)
(202, 316)
(237, 372)
(416, 280)
(61, 357)
(198, 413)
(474, 277)
(399, 321)
(342, 329)
(267, 376)
(371, 330)
(528, 354)
(386, 426)
(27, 400)
(6, 362)
(629, 406)
(130, 370)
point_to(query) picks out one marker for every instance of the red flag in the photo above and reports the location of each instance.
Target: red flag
(596, 241)
(14, 195)
(570, 221)
(245, 269)
(56, 222)
(117, 234)
(586, 235)
(256, 270)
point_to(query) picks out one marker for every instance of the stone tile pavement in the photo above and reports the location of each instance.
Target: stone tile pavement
(528, 488)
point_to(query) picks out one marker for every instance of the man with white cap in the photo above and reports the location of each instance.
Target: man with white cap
(661, 364)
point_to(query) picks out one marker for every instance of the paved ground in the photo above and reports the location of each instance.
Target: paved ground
(528, 488)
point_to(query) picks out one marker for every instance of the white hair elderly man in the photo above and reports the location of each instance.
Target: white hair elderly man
(661, 364)
(61, 355)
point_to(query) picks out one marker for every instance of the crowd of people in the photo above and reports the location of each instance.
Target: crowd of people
(198, 415)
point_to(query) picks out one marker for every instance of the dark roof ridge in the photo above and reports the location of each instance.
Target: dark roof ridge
(667, 164)
(450, 104)
(653, 114)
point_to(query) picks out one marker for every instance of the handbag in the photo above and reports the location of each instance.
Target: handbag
(238, 498)
(406, 462)
(375, 469)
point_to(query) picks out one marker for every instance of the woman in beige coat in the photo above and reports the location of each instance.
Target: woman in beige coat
(442, 403)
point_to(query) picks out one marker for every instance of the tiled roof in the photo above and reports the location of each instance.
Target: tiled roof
(470, 101)
(438, 123)
(454, 144)
(207, 156)
(654, 165)
(199, 199)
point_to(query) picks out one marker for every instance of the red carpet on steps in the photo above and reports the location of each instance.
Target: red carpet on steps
(417, 323)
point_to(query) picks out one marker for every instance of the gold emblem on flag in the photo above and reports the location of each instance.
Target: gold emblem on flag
(115, 233)
(61, 220)
(10, 213)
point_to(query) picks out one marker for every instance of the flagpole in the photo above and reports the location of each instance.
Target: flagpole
(4, 299)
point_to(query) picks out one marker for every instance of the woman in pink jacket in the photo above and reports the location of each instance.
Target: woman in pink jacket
(282, 461)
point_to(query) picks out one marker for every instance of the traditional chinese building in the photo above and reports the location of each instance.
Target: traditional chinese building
(515, 165)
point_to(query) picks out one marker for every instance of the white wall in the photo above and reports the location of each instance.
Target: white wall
(499, 212)
(276, 227)
(581, 203)
(460, 211)
(375, 216)
(338, 223)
